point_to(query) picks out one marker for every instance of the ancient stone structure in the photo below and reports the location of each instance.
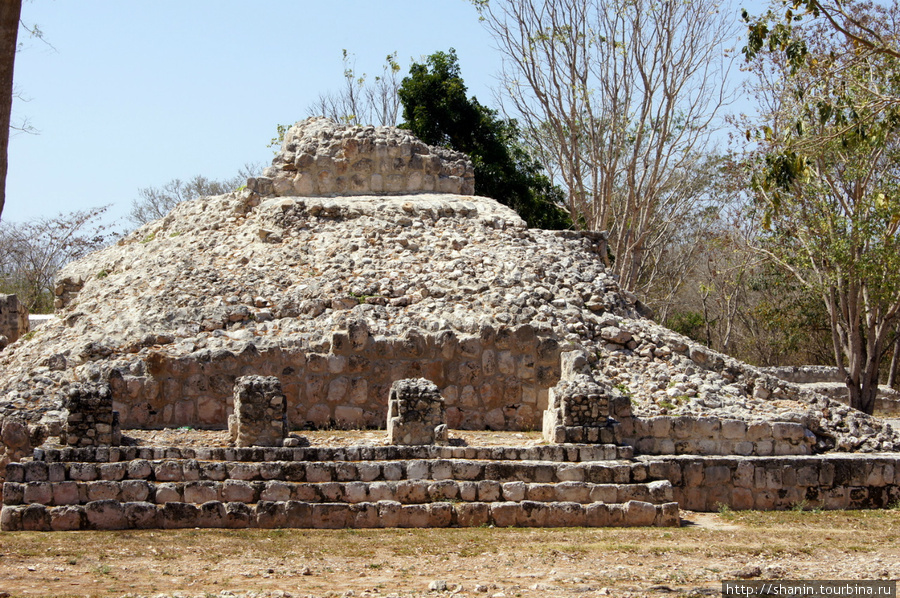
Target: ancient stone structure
(260, 412)
(574, 485)
(319, 157)
(581, 410)
(827, 380)
(13, 319)
(361, 258)
(416, 413)
(91, 420)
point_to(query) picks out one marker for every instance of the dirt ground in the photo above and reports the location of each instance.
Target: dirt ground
(690, 561)
(493, 562)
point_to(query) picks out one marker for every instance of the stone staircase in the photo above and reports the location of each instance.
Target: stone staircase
(348, 487)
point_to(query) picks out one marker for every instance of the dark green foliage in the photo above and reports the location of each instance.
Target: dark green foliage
(437, 111)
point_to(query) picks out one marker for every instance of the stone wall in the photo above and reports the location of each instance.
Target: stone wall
(805, 374)
(13, 319)
(833, 481)
(91, 420)
(690, 435)
(498, 379)
(826, 380)
(260, 413)
(320, 157)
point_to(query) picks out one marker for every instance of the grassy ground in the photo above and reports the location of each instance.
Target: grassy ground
(691, 560)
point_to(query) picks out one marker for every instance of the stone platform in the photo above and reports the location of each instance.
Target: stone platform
(357, 486)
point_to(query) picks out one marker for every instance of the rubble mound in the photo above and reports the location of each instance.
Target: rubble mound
(338, 297)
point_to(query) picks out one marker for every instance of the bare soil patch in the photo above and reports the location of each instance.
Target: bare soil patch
(691, 560)
(218, 438)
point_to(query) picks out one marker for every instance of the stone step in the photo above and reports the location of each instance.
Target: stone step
(112, 514)
(556, 453)
(181, 470)
(404, 492)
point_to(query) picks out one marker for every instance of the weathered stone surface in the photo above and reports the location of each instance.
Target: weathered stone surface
(260, 412)
(13, 319)
(416, 413)
(91, 420)
(321, 157)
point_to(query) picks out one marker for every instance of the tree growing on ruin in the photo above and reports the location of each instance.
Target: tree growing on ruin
(826, 178)
(437, 110)
(363, 101)
(619, 100)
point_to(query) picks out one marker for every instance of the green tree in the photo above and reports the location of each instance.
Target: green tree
(361, 101)
(827, 179)
(437, 110)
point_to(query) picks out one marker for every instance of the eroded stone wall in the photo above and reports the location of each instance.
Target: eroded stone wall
(834, 481)
(321, 157)
(499, 380)
(260, 414)
(13, 319)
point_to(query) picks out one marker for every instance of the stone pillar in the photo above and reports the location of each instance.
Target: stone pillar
(416, 413)
(13, 319)
(260, 412)
(91, 420)
(583, 410)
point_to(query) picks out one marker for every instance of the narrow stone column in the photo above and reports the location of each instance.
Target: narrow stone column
(582, 409)
(416, 413)
(260, 412)
(91, 420)
(13, 319)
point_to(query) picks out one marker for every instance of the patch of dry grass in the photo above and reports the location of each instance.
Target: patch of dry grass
(312, 562)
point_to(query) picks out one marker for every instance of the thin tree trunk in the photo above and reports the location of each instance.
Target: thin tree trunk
(893, 373)
(10, 11)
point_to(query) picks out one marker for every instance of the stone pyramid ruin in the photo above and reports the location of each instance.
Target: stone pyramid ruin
(362, 259)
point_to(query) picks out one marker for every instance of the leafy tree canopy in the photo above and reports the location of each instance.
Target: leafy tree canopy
(437, 111)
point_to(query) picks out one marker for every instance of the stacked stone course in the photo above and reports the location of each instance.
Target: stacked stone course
(319, 157)
(498, 379)
(416, 413)
(13, 319)
(260, 412)
(116, 489)
(91, 420)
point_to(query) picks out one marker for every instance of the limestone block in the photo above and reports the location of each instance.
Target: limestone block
(532, 514)
(176, 515)
(68, 518)
(237, 491)
(13, 318)
(91, 420)
(416, 413)
(489, 491)
(64, 493)
(102, 490)
(473, 514)
(260, 412)
(504, 514)
(105, 515)
(417, 515)
(513, 491)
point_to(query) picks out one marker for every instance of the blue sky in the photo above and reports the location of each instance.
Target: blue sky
(140, 92)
